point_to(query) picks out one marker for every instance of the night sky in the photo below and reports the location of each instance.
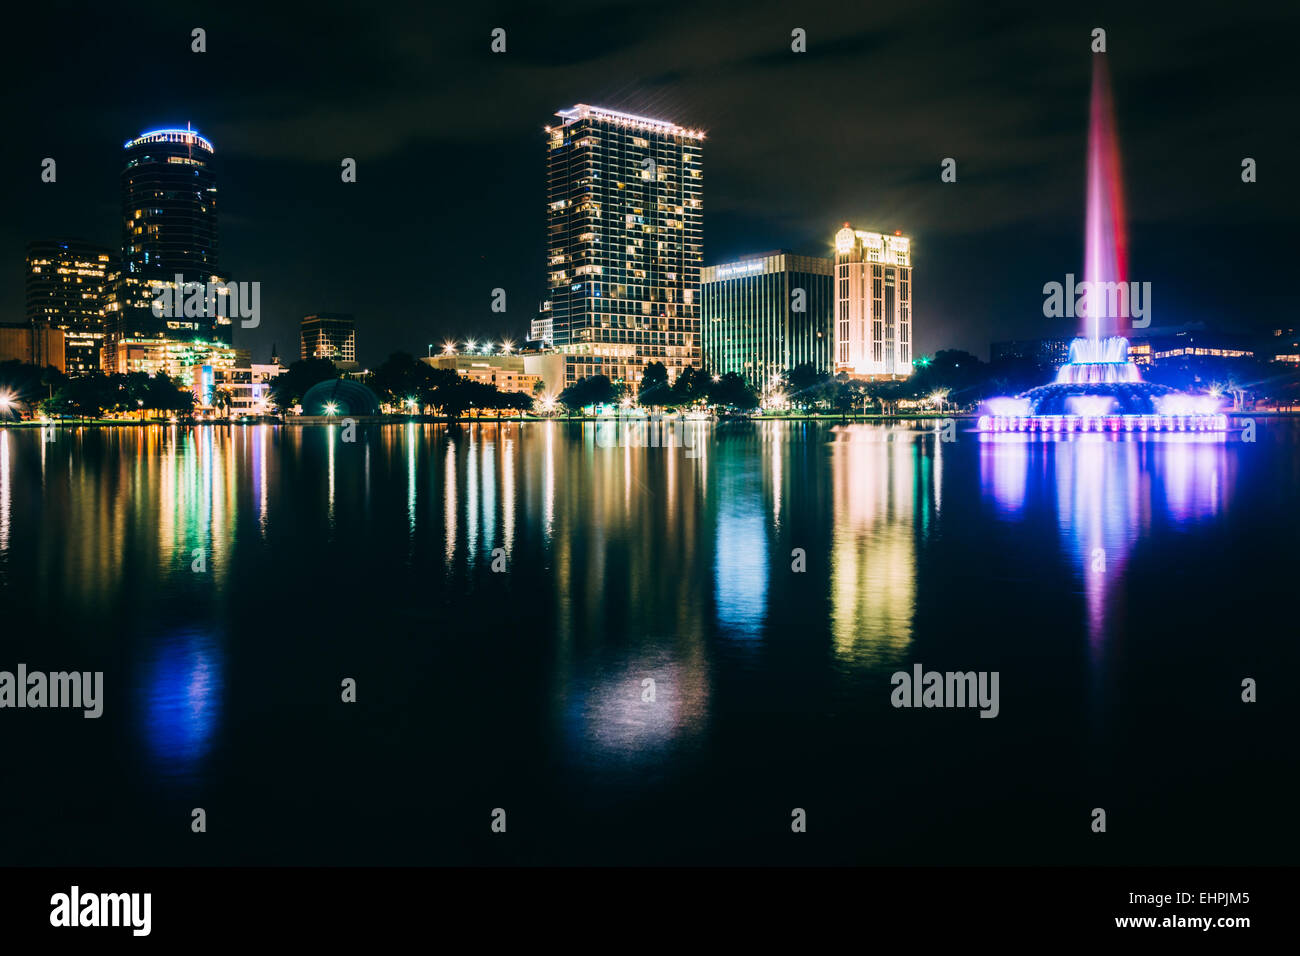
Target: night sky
(449, 202)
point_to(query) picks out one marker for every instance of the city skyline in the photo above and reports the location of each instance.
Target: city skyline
(529, 420)
(989, 241)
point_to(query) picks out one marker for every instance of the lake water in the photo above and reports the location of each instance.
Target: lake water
(1121, 589)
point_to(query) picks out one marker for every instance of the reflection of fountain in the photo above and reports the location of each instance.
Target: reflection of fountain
(1099, 389)
(1107, 498)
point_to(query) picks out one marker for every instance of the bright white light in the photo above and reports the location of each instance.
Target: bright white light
(330, 408)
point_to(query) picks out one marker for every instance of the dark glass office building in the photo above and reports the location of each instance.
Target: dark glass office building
(767, 314)
(169, 229)
(67, 284)
(623, 243)
(330, 335)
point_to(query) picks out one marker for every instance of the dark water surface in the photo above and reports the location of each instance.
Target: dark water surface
(1122, 589)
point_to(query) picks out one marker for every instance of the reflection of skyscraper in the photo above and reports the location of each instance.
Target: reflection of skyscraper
(67, 288)
(169, 229)
(624, 246)
(886, 491)
(873, 314)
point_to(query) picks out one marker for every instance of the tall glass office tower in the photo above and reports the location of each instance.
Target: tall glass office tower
(169, 229)
(767, 314)
(623, 243)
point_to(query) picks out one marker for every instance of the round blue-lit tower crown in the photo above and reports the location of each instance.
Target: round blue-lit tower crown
(184, 137)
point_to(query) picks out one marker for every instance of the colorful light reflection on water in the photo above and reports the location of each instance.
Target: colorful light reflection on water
(374, 558)
(1106, 492)
(182, 702)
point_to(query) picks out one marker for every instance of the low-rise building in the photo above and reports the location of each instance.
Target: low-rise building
(507, 372)
(232, 390)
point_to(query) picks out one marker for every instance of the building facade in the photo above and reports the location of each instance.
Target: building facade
(764, 315)
(32, 343)
(1195, 344)
(67, 289)
(506, 372)
(330, 335)
(873, 304)
(241, 389)
(174, 357)
(169, 242)
(542, 330)
(1049, 352)
(623, 243)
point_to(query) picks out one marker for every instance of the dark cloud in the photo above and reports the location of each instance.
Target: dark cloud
(449, 200)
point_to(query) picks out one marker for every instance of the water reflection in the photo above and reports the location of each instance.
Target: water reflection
(886, 494)
(5, 502)
(182, 702)
(740, 560)
(625, 564)
(635, 711)
(1106, 492)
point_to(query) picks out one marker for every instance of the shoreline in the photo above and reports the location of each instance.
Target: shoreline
(306, 420)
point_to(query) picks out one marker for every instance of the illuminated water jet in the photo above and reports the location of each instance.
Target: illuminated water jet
(1099, 389)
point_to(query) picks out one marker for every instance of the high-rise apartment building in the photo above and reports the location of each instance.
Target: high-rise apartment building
(623, 243)
(873, 304)
(67, 289)
(767, 314)
(330, 335)
(169, 230)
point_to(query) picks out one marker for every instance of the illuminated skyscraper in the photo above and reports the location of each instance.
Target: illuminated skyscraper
(169, 229)
(767, 314)
(623, 243)
(67, 288)
(873, 304)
